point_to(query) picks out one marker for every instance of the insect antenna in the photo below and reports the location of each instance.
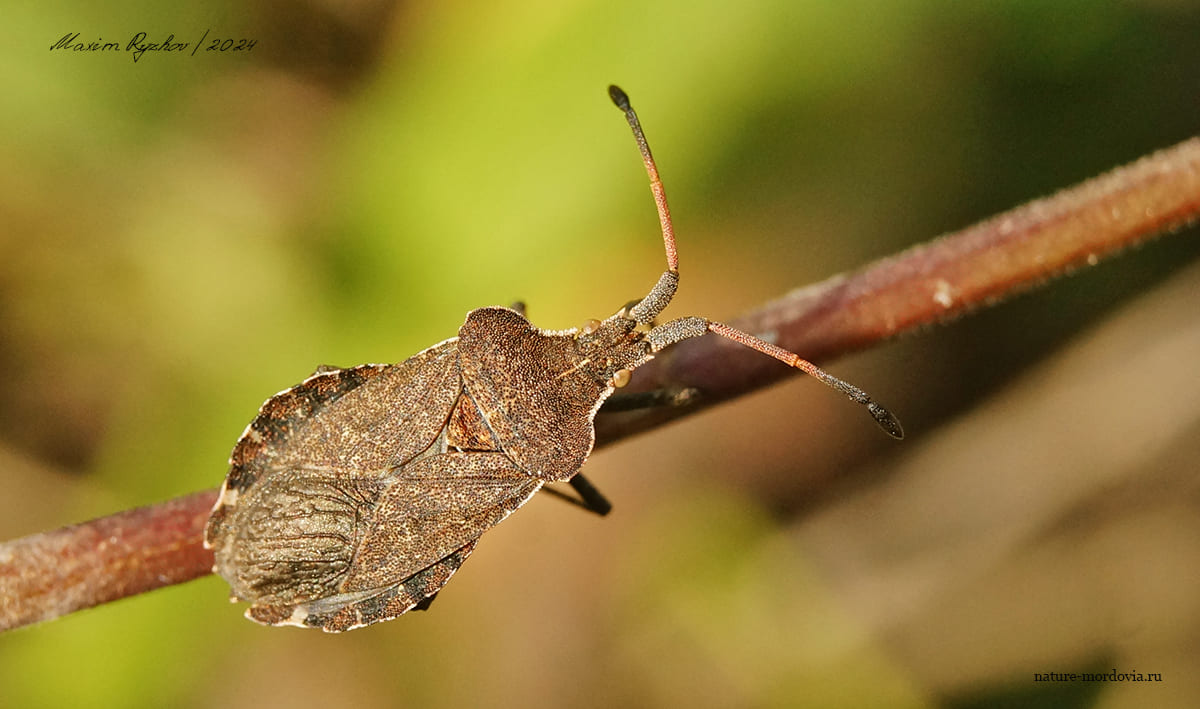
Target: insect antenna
(686, 328)
(621, 99)
(888, 422)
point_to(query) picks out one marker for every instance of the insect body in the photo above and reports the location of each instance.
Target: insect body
(355, 495)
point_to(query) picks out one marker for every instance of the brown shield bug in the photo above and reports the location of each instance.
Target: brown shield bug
(354, 496)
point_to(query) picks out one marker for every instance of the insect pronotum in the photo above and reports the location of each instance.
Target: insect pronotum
(355, 495)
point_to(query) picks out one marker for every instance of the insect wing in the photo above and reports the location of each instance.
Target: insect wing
(308, 471)
(347, 611)
(437, 505)
(424, 526)
(276, 420)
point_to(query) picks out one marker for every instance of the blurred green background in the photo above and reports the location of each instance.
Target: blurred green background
(185, 235)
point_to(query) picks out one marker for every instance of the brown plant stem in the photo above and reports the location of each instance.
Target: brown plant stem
(44, 576)
(932, 282)
(48, 575)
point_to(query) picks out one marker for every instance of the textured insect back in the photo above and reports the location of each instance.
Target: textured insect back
(534, 394)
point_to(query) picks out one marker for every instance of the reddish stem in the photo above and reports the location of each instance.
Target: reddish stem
(44, 576)
(48, 575)
(932, 282)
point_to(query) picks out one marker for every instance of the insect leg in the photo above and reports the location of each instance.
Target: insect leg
(589, 498)
(592, 499)
(667, 396)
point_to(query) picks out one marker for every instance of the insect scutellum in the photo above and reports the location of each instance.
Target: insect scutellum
(647, 309)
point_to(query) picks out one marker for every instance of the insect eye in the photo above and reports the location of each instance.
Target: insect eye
(589, 326)
(620, 378)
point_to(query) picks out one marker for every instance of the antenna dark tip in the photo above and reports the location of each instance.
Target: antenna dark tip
(619, 97)
(886, 420)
